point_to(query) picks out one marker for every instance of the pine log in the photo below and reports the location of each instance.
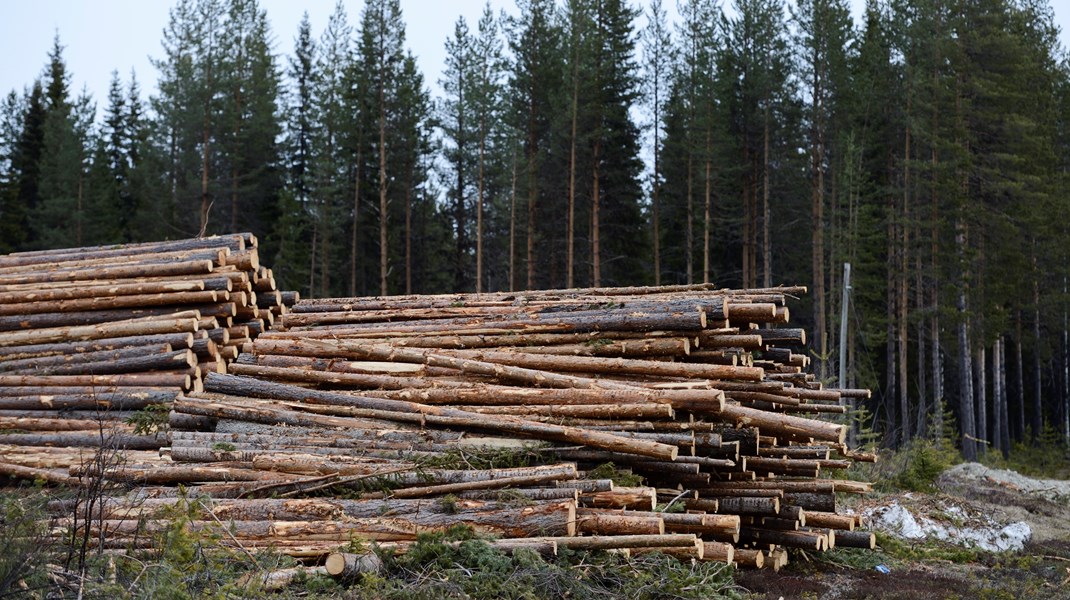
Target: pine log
(143, 326)
(196, 267)
(437, 416)
(550, 519)
(749, 558)
(351, 566)
(795, 427)
(113, 302)
(856, 539)
(718, 552)
(598, 522)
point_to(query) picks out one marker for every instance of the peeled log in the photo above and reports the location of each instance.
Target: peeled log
(783, 424)
(551, 519)
(437, 416)
(601, 522)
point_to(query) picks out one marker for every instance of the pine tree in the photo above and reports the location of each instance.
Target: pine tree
(458, 128)
(486, 98)
(59, 215)
(11, 124)
(534, 90)
(823, 35)
(294, 229)
(658, 56)
(249, 123)
(616, 193)
(334, 65)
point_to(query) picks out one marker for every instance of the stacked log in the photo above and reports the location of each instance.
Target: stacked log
(682, 389)
(677, 419)
(96, 343)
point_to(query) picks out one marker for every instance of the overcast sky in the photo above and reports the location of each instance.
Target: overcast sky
(105, 35)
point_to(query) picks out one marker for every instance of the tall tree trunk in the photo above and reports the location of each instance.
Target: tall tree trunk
(982, 400)
(1019, 379)
(384, 247)
(408, 234)
(656, 186)
(748, 223)
(1038, 406)
(767, 242)
(923, 388)
(512, 226)
(205, 203)
(312, 259)
(354, 250)
(533, 195)
(967, 419)
(1005, 422)
(817, 212)
(570, 252)
(596, 244)
(706, 215)
(690, 237)
(1065, 369)
(997, 397)
(903, 295)
(891, 312)
(459, 193)
(479, 203)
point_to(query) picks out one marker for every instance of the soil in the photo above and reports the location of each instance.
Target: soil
(973, 508)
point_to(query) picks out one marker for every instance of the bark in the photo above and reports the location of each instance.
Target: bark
(1038, 405)
(349, 566)
(997, 397)
(967, 418)
(982, 401)
(446, 417)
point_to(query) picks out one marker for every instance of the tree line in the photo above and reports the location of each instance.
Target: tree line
(597, 142)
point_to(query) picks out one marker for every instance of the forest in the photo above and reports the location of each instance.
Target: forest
(599, 143)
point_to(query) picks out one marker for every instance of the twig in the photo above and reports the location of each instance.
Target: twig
(212, 514)
(344, 480)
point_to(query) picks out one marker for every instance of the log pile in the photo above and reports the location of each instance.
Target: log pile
(106, 338)
(677, 419)
(423, 405)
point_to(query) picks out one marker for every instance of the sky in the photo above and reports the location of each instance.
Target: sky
(101, 36)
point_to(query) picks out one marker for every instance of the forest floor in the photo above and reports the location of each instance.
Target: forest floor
(977, 533)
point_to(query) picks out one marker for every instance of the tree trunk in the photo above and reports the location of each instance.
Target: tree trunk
(997, 398)
(512, 226)
(408, 234)
(479, 203)
(690, 232)
(459, 194)
(1005, 428)
(570, 254)
(982, 400)
(354, 251)
(596, 227)
(1038, 406)
(1019, 379)
(767, 242)
(967, 419)
(384, 247)
(205, 203)
(706, 223)
(533, 192)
